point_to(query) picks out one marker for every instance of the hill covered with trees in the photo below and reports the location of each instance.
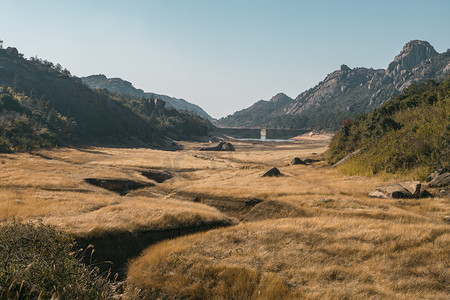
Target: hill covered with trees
(123, 87)
(410, 134)
(43, 105)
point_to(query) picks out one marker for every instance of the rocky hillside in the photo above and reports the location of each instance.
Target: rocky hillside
(347, 92)
(124, 87)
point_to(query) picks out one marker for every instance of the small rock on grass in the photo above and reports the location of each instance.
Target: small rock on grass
(297, 161)
(274, 172)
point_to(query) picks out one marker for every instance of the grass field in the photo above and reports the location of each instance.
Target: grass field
(312, 233)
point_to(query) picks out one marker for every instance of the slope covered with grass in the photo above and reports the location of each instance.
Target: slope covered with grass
(408, 135)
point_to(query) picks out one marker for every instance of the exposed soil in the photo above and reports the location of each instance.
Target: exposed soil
(120, 186)
(231, 206)
(114, 251)
(159, 177)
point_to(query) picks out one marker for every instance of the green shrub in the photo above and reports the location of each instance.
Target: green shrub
(37, 261)
(409, 134)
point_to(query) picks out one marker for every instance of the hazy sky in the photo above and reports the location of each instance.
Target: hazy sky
(223, 55)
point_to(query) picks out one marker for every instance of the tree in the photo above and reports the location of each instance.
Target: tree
(1, 44)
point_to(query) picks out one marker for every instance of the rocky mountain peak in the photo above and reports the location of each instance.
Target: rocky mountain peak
(412, 54)
(345, 68)
(280, 98)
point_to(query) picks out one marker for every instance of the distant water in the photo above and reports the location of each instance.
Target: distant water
(267, 140)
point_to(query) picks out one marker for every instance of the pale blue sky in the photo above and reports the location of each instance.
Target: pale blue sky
(222, 55)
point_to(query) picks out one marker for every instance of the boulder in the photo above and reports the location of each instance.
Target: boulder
(227, 147)
(272, 172)
(407, 189)
(223, 146)
(310, 161)
(214, 148)
(441, 180)
(297, 161)
(413, 187)
(433, 175)
(426, 194)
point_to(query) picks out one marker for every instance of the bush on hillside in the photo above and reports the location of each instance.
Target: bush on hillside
(38, 262)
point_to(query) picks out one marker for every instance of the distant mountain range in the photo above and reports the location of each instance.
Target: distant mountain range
(345, 93)
(120, 86)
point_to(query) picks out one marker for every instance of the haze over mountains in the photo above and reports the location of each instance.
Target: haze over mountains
(345, 93)
(120, 86)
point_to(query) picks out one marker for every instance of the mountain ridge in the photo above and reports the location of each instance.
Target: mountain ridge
(121, 86)
(347, 92)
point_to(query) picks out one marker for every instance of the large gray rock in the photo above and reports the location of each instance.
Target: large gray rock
(407, 189)
(440, 180)
(413, 187)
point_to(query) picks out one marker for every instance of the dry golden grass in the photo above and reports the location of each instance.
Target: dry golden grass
(49, 185)
(139, 213)
(338, 243)
(311, 258)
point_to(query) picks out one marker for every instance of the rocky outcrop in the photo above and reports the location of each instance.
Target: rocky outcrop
(11, 51)
(412, 54)
(280, 99)
(433, 175)
(274, 172)
(407, 189)
(159, 104)
(441, 180)
(223, 146)
(342, 161)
